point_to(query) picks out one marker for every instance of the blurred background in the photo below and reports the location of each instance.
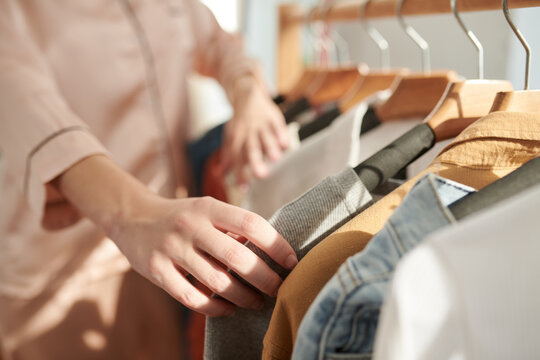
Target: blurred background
(450, 49)
(257, 21)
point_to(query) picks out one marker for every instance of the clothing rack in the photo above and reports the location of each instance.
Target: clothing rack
(293, 16)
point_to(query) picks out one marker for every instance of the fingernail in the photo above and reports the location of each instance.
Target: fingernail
(261, 171)
(291, 261)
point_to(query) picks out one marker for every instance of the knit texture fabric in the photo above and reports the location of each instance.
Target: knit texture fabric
(304, 222)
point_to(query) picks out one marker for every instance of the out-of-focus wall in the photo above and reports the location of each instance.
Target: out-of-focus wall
(208, 103)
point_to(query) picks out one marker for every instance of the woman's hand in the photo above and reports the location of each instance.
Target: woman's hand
(166, 239)
(256, 132)
(173, 238)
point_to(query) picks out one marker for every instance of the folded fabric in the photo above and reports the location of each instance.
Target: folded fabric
(303, 222)
(467, 291)
(343, 318)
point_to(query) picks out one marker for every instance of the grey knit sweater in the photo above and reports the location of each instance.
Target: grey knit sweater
(304, 222)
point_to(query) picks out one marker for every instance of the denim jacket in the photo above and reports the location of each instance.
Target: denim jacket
(341, 322)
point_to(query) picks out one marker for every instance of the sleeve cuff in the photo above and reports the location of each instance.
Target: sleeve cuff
(247, 67)
(53, 156)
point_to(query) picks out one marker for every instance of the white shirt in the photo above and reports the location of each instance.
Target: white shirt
(470, 291)
(323, 154)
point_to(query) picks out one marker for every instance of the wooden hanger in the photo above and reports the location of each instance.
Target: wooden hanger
(371, 83)
(415, 95)
(465, 101)
(311, 78)
(337, 83)
(323, 85)
(518, 101)
(374, 81)
(348, 86)
(355, 86)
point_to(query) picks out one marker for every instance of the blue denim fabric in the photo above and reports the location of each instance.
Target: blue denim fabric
(341, 322)
(199, 150)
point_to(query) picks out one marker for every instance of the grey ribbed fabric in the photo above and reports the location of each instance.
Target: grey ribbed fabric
(304, 222)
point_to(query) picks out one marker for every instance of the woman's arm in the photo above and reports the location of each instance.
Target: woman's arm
(165, 239)
(257, 131)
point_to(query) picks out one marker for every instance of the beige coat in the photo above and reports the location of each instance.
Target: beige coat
(79, 78)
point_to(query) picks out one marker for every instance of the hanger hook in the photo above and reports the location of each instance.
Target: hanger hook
(376, 36)
(319, 44)
(321, 41)
(342, 48)
(521, 39)
(339, 44)
(313, 36)
(328, 5)
(477, 44)
(415, 36)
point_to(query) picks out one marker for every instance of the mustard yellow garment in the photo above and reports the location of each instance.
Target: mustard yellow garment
(484, 152)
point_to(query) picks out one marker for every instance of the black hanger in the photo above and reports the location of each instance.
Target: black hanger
(439, 125)
(517, 181)
(370, 121)
(278, 99)
(387, 162)
(295, 108)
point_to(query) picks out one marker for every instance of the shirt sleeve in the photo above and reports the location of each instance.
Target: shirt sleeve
(220, 54)
(419, 320)
(40, 136)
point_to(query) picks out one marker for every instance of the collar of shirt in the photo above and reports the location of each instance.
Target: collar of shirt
(475, 146)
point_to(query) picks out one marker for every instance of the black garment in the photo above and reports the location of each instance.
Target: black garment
(278, 99)
(387, 162)
(320, 122)
(526, 176)
(369, 122)
(295, 108)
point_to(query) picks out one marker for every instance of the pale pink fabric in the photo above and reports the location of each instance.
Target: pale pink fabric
(90, 77)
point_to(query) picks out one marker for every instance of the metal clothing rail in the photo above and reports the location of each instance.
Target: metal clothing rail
(293, 16)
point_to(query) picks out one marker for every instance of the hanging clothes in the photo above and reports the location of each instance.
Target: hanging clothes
(487, 150)
(323, 154)
(466, 292)
(343, 318)
(304, 223)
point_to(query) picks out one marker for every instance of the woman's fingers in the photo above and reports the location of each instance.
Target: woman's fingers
(241, 260)
(165, 274)
(216, 278)
(255, 157)
(254, 228)
(270, 144)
